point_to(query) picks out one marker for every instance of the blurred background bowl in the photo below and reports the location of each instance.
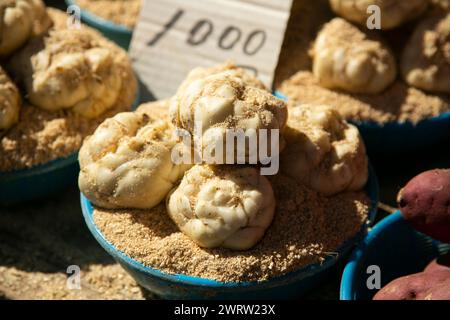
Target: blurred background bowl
(118, 33)
(38, 182)
(42, 180)
(396, 248)
(179, 286)
(396, 137)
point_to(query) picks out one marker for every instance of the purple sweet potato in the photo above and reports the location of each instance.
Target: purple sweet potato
(417, 286)
(440, 263)
(425, 203)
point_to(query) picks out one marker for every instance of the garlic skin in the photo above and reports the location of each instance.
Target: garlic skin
(228, 68)
(156, 109)
(345, 58)
(127, 162)
(227, 206)
(10, 102)
(323, 151)
(425, 62)
(393, 12)
(72, 69)
(208, 107)
(19, 20)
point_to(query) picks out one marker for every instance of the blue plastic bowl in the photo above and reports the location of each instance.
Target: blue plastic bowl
(118, 33)
(396, 137)
(39, 181)
(396, 248)
(42, 180)
(179, 286)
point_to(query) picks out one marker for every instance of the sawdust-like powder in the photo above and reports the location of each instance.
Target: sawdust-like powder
(306, 229)
(109, 282)
(398, 103)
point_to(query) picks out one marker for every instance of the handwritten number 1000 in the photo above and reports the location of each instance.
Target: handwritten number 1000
(202, 30)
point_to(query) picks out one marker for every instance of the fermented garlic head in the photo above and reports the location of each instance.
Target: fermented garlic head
(212, 106)
(71, 69)
(19, 20)
(9, 102)
(227, 206)
(345, 58)
(323, 150)
(425, 62)
(127, 162)
(392, 12)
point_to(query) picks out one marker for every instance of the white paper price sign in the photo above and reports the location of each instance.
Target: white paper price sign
(174, 36)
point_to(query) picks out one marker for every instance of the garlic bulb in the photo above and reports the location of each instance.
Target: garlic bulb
(323, 151)
(211, 107)
(19, 20)
(425, 62)
(127, 162)
(224, 206)
(345, 58)
(72, 69)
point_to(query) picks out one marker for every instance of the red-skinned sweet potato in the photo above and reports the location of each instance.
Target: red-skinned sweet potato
(440, 263)
(425, 203)
(417, 286)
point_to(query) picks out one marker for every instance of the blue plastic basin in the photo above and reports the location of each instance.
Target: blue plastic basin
(42, 180)
(397, 137)
(396, 248)
(118, 33)
(39, 181)
(179, 286)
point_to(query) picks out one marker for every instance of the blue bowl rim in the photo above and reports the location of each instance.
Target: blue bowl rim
(442, 118)
(351, 268)
(352, 264)
(309, 270)
(54, 164)
(49, 166)
(100, 23)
